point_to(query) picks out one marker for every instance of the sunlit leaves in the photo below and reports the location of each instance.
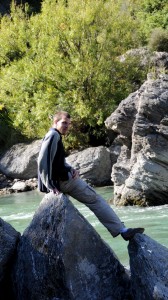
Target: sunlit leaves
(66, 57)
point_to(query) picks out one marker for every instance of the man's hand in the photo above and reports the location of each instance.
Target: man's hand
(56, 192)
(74, 173)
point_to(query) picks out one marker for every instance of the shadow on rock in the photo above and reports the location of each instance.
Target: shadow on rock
(61, 256)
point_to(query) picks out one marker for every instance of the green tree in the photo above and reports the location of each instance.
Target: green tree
(152, 14)
(66, 57)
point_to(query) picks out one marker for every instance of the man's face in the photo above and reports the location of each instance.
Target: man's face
(63, 125)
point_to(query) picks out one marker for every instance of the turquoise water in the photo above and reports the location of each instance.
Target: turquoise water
(18, 210)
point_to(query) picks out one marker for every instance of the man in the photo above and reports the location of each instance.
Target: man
(55, 175)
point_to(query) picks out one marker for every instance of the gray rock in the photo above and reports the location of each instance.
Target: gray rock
(94, 164)
(140, 174)
(149, 269)
(20, 161)
(9, 186)
(5, 182)
(9, 238)
(61, 256)
(19, 186)
(23, 186)
(148, 58)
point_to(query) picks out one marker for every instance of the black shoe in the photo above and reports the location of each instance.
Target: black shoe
(129, 234)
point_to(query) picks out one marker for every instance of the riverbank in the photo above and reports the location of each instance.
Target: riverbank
(9, 185)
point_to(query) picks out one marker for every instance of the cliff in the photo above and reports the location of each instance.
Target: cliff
(140, 174)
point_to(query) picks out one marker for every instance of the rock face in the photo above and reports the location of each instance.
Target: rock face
(9, 238)
(20, 161)
(149, 269)
(94, 165)
(60, 256)
(140, 174)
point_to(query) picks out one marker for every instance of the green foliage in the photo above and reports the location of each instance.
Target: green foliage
(8, 135)
(159, 40)
(152, 14)
(14, 36)
(66, 58)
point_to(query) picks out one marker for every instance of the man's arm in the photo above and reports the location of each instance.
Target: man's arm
(45, 160)
(74, 172)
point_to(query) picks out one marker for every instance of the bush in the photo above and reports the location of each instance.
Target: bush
(151, 14)
(159, 40)
(66, 57)
(8, 134)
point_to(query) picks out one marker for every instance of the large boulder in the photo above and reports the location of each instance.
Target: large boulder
(94, 164)
(140, 174)
(61, 256)
(20, 161)
(9, 238)
(149, 269)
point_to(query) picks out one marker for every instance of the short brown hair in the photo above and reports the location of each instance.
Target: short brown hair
(58, 116)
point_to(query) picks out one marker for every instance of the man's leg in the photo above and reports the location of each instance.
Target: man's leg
(81, 191)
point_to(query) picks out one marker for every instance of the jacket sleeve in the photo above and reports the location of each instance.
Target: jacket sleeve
(67, 165)
(46, 157)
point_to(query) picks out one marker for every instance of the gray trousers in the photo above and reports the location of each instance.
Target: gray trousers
(81, 191)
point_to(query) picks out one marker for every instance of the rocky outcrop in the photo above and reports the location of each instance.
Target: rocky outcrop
(61, 256)
(9, 238)
(149, 269)
(20, 161)
(140, 174)
(94, 165)
(147, 58)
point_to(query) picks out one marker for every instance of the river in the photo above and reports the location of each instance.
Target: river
(18, 210)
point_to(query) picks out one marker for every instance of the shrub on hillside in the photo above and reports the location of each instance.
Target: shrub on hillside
(159, 40)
